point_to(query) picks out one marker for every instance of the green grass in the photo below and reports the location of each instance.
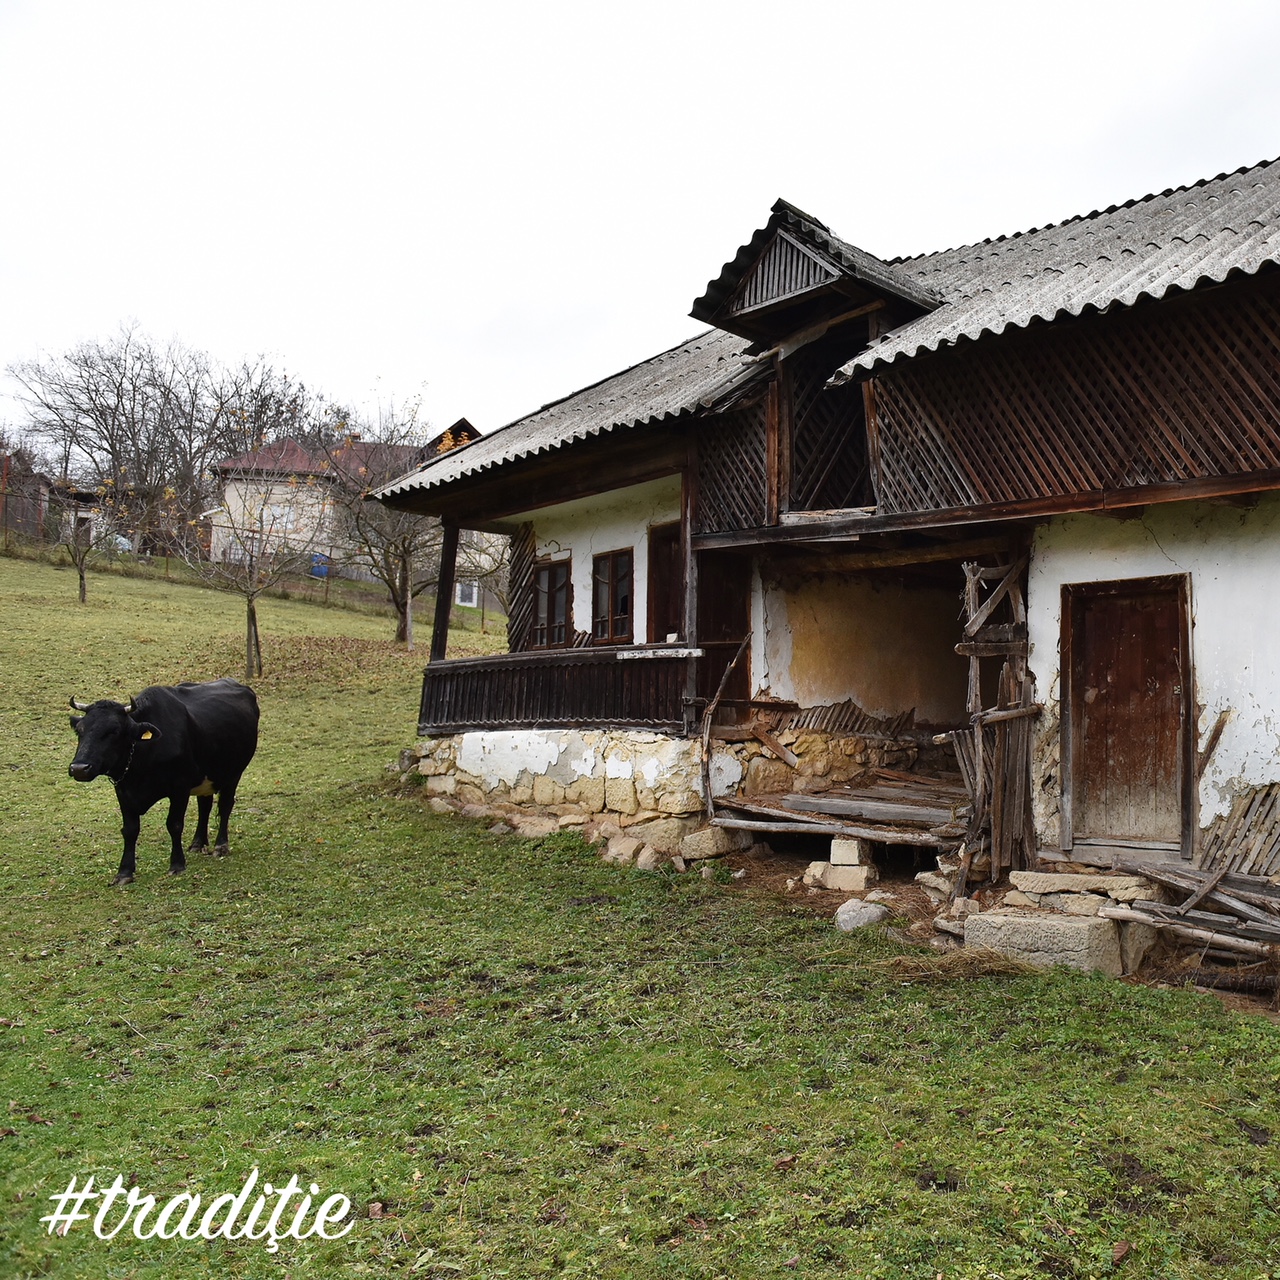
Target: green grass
(534, 1063)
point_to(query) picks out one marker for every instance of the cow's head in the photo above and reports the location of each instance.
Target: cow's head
(109, 735)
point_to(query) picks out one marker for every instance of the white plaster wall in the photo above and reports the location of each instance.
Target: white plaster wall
(887, 645)
(611, 521)
(1233, 557)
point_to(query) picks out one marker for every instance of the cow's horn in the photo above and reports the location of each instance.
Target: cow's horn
(77, 705)
(128, 707)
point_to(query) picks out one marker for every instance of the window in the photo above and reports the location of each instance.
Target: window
(611, 598)
(468, 594)
(550, 628)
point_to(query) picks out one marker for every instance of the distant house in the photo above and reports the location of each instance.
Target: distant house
(1019, 498)
(24, 498)
(280, 498)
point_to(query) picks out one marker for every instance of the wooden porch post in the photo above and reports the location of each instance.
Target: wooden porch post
(444, 592)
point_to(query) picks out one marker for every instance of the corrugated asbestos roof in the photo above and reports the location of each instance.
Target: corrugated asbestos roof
(697, 373)
(1143, 249)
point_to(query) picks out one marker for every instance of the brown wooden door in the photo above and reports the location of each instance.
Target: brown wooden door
(1128, 686)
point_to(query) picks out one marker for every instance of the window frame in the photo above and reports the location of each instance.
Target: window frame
(544, 590)
(609, 561)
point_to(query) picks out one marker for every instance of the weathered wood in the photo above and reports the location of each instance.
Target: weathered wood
(885, 835)
(1001, 716)
(595, 687)
(1015, 571)
(873, 810)
(708, 716)
(1203, 891)
(1211, 745)
(444, 591)
(1228, 942)
(785, 754)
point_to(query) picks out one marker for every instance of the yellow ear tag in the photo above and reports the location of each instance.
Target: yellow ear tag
(146, 735)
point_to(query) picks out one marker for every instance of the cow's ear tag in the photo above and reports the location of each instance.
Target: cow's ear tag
(147, 735)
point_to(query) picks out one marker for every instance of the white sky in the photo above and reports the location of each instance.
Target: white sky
(491, 205)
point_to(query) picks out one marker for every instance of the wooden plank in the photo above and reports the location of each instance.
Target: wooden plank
(874, 810)
(883, 835)
(974, 624)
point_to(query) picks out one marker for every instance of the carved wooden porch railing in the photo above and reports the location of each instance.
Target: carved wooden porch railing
(603, 688)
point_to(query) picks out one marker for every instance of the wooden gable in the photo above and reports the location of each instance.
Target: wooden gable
(784, 270)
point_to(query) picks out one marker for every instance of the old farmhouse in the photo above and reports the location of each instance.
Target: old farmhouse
(974, 551)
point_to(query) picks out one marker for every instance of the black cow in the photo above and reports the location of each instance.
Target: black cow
(172, 741)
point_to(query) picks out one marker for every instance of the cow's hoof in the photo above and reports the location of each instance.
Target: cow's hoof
(122, 878)
(177, 871)
(199, 848)
(222, 851)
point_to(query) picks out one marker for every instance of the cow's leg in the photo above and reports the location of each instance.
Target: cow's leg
(128, 865)
(176, 820)
(226, 802)
(200, 841)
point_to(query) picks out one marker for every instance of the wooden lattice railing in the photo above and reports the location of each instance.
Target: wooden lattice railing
(562, 688)
(1182, 390)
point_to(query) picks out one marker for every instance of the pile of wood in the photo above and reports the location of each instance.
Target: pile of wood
(1228, 913)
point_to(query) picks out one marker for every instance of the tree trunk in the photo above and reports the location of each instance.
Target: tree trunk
(83, 584)
(404, 602)
(252, 642)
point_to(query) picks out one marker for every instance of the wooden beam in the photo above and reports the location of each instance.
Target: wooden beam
(444, 592)
(1100, 501)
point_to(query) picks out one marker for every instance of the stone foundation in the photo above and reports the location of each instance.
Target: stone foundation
(633, 776)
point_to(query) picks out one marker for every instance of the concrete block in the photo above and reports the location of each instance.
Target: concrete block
(851, 853)
(1080, 942)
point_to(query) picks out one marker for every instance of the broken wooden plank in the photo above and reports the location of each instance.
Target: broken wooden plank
(786, 756)
(882, 835)
(1227, 942)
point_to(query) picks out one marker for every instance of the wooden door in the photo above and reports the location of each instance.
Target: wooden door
(666, 583)
(1127, 687)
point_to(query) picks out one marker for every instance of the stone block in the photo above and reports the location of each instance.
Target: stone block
(1135, 941)
(623, 850)
(587, 794)
(1080, 942)
(822, 875)
(651, 859)
(534, 827)
(620, 795)
(962, 907)
(1146, 892)
(851, 853)
(545, 791)
(684, 800)
(712, 842)
(665, 834)
(571, 820)
(442, 785)
(1074, 904)
(946, 925)
(935, 882)
(469, 793)
(438, 804)
(1067, 882)
(856, 914)
(767, 776)
(1016, 898)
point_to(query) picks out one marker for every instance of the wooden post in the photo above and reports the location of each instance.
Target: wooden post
(688, 500)
(444, 592)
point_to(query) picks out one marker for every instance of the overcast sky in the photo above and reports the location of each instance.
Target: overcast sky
(491, 205)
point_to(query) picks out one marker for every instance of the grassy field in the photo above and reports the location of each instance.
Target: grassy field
(517, 1061)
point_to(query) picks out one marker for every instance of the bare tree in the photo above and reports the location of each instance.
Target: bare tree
(398, 549)
(83, 527)
(268, 527)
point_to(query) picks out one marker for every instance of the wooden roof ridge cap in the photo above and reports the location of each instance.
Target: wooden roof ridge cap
(1011, 237)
